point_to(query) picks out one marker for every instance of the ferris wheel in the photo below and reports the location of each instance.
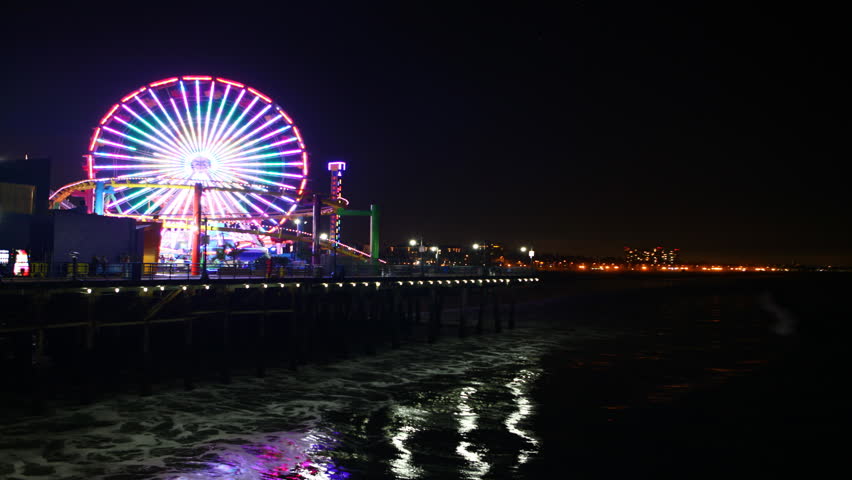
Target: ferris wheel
(182, 131)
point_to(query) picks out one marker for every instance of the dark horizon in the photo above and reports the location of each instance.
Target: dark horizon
(576, 131)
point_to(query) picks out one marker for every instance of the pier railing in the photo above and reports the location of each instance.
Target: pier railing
(136, 271)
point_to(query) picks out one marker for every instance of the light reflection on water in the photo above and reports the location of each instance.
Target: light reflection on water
(379, 417)
(467, 417)
(409, 420)
(520, 387)
(296, 456)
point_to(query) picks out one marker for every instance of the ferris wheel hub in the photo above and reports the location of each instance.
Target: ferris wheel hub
(202, 163)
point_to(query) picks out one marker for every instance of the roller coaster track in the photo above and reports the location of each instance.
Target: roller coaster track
(66, 191)
(329, 207)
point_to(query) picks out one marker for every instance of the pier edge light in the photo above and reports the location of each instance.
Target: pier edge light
(88, 290)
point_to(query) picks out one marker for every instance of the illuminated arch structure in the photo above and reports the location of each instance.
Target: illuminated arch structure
(183, 149)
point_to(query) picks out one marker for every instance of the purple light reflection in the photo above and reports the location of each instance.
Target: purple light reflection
(296, 456)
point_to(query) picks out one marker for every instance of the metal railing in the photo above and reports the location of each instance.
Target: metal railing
(137, 271)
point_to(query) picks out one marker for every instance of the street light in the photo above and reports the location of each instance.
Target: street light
(323, 236)
(523, 249)
(420, 250)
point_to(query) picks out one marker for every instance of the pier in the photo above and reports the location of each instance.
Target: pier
(84, 338)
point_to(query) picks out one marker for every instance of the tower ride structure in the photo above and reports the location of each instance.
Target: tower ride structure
(336, 169)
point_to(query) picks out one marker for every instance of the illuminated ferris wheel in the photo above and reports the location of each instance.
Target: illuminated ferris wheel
(179, 132)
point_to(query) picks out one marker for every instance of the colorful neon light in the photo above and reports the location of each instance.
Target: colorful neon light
(230, 82)
(164, 82)
(133, 94)
(94, 139)
(264, 97)
(181, 130)
(109, 114)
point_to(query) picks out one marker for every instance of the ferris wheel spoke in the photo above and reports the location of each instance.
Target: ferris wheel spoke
(273, 164)
(252, 178)
(126, 198)
(173, 205)
(153, 147)
(184, 141)
(226, 136)
(235, 154)
(165, 141)
(136, 158)
(249, 203)
(285, 153)
(183, 127)
(235, 140)
(271, 204)
(194, 137)
(226, 122)
(214, 204)
(198, 114)
(163, 132)
(226, 144)
(175, 140)
(158, 174)
(131, 206)
(266, 172)
(122, 146)
(159, 200)
(228, 199)
(210, 97)
(187, 202)
(230, 152)
(222, 103)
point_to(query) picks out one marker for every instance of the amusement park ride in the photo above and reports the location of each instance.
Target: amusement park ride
(200, 154)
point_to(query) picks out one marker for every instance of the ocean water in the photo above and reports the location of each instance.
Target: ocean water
(458, 408)
(578, 385)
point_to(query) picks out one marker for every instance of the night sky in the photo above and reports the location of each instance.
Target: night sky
(719, 130)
